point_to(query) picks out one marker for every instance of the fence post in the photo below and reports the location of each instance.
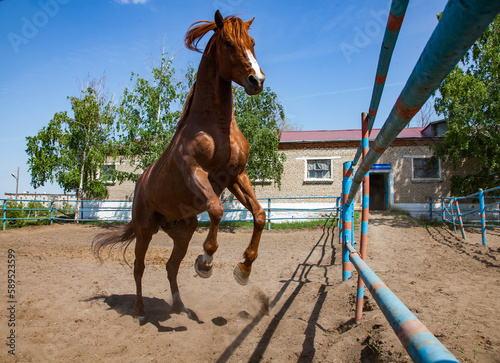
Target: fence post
(347, 211)
(337, 206)
(482, 212)
(341, 215)
(442, 211)
(430, 209)
(4, 214)
(51, 212)
(365, 215)
(452, 209)
(269, 214)
(459, 215)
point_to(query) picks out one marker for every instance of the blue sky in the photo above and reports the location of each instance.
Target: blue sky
(320, 57)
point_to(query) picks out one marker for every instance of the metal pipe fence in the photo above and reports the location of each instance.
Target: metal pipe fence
(462, 22)
(18, 211)
(477, 213)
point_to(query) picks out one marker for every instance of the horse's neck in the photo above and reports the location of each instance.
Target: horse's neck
(212, 99)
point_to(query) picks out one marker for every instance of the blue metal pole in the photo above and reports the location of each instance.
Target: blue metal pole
(337, 208)
(430, 209)
(459, 215)
(419, 342)
(396, 17)
(463, 21)
(483, 216)
(347, 212)
(4, 214)
(452, 209)
(269, 214)
(442, 211)
(365, 214)
(52, 212)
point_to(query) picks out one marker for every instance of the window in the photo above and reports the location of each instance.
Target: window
(107, 174)
(426, 168)
(319, 169)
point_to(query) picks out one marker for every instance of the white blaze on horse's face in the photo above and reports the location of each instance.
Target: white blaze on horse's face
(254, 83)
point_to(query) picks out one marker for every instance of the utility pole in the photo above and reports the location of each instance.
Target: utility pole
(17, 182)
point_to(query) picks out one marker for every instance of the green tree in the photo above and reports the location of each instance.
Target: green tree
(148, 115)
(72, 150)
(470, 101)
(258, 118)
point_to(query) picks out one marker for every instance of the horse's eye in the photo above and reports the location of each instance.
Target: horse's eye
(228, 45)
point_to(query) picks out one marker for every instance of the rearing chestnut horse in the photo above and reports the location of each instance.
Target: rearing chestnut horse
(207, 154)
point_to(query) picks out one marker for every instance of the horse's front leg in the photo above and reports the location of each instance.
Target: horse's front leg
(202, 189)
(243, 191)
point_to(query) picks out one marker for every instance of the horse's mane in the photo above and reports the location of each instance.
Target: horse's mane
(234, 28)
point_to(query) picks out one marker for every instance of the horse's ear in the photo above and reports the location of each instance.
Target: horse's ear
(248, 23)
(219, 21)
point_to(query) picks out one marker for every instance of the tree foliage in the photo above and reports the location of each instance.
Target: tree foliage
(470, 101)
(71, 151)
(147, 117)
(258, 118)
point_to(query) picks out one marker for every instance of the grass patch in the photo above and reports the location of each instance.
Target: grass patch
(283, 225)
(238, 224)
(305, 224)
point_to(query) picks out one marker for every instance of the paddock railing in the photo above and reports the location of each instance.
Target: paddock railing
(278, 210)
(481, 209)
(462, 22)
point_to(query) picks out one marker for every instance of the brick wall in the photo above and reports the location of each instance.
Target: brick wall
(293, 180)
(125, 190)
(294, 184)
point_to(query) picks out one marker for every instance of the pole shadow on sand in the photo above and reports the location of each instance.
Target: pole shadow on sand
(300, 276)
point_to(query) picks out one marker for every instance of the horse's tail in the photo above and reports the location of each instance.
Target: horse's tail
(122, 235)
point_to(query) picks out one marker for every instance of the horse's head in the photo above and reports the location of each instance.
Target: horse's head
(233, 49)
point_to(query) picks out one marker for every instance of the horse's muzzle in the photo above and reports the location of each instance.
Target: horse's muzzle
(254, 85)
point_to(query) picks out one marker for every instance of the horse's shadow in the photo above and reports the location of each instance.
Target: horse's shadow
(158, 310)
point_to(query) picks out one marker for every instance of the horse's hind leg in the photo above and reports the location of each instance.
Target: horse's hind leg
(181, 233)
(141, 246)
(243, 191)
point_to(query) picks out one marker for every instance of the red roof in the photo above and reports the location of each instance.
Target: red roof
(333, 135)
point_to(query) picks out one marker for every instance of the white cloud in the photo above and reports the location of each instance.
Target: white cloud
(125, 2)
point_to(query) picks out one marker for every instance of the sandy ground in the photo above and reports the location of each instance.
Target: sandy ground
(71, 308)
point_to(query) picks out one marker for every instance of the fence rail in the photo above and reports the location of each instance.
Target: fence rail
(477, 213)
(279, 209)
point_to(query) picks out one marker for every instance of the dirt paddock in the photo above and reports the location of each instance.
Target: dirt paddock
(69, 307)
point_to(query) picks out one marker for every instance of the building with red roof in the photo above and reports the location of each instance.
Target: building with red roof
(404, 175)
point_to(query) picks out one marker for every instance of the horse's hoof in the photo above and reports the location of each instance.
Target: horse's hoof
(204, 271)
(240, 277)
(142, 319)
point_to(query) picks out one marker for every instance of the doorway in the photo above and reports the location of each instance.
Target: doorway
(378, 191)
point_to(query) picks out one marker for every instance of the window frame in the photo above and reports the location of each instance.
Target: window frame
(307, 159)
(419, 179)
